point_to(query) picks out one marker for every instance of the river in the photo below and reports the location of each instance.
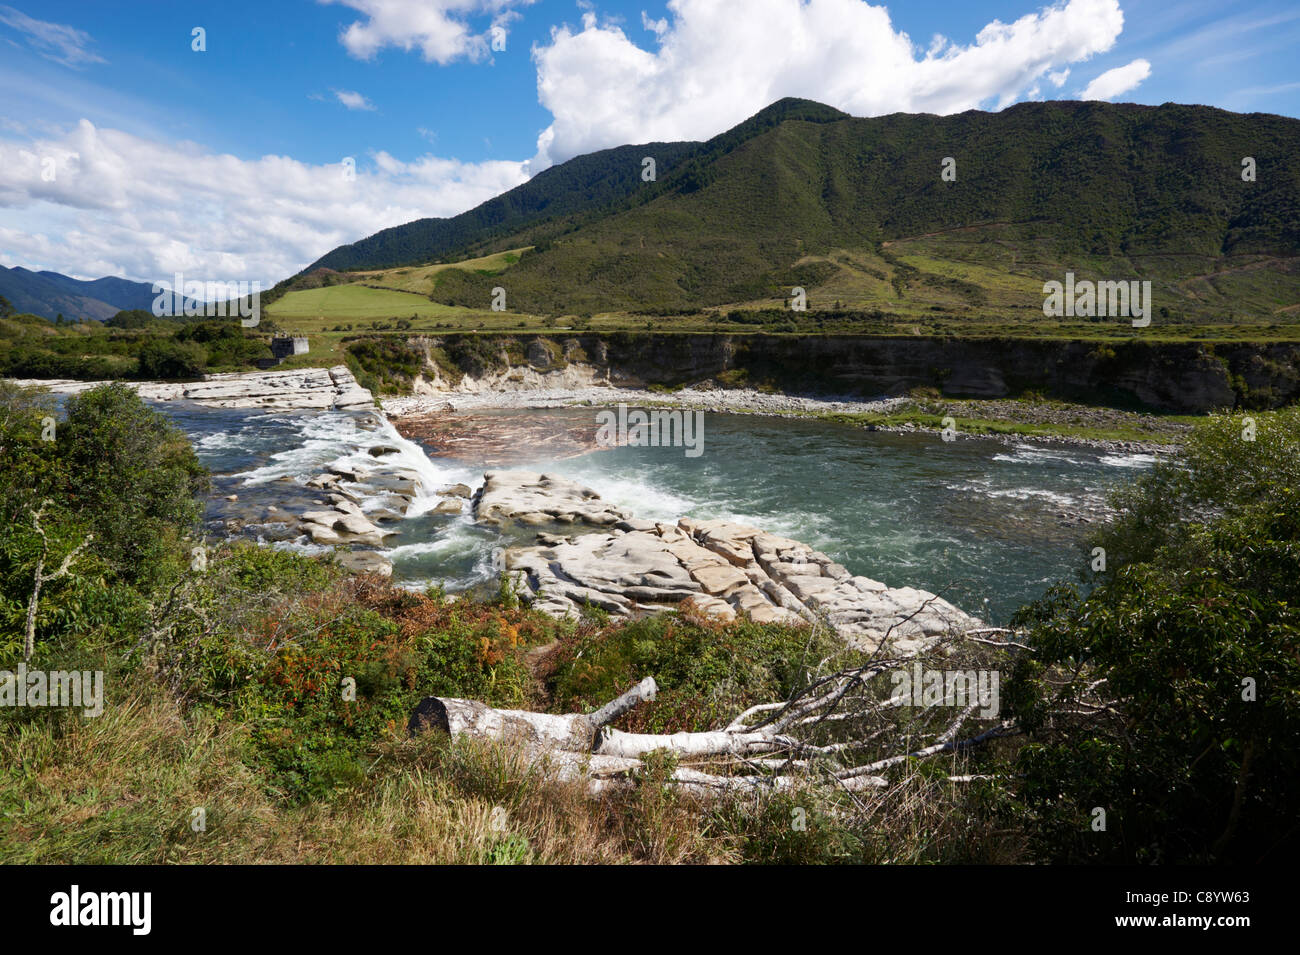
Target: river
(975, 519)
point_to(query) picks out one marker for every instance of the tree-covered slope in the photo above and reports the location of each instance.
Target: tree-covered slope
(1131, 191)
(857, 212)
(586, 182)
(556, 199)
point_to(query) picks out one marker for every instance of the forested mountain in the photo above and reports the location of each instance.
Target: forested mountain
(561, 196)
(802, 194)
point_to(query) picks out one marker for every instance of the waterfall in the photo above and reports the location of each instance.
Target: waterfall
(412, 457)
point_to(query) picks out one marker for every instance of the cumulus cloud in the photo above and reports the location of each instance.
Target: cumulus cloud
(439, 29)
(719, 62)
(1119, 80)
(657, 27)
(143, 207)
(98, 202)
(353, 100)
(54, 41)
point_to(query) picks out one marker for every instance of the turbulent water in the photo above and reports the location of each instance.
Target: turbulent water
(977, 519)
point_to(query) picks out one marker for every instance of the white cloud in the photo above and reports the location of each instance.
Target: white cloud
(718, 63)
(125, 205)
(353, 100)
(440, 29)
(657, 27)
(54, 41)
(143, 206)
(1119, 80)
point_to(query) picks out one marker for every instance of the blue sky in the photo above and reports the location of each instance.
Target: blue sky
(124, 151)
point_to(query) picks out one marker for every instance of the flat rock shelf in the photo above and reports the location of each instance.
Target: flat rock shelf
(716, 568)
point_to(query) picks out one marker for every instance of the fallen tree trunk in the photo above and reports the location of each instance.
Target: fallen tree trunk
(571, 732)
(816, 734)
(687, 745)
(568, 732)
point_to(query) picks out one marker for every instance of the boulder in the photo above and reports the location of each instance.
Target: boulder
(320, 534)
(366, 562)
(526, 497)
(725, 570)
(719, 579)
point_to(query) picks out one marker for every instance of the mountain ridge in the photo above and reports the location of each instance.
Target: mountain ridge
(50, 294)
(571, 188)
(1149, 191)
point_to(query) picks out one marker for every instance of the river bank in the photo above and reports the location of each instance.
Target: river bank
(579, 385)
(1006, 419)
(298, 389)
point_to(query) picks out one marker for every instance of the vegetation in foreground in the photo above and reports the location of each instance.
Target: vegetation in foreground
(223, 678)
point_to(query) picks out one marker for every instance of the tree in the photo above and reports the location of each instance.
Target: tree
(40, 578)
(92, 511)
(131, 318)
(134, 477)
(6, 308)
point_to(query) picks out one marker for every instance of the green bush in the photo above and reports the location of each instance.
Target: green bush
(226, 343)
(475, 355)
(385, 365)
(113, 482)
(1194, 627)
(133, 478)
(166, 359)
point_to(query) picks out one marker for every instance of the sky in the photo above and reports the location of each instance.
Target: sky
(233, 140)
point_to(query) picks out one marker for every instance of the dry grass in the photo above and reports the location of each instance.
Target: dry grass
(121, 789)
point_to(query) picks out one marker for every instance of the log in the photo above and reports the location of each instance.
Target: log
(568, 732)
(572, 732)
(645, 690)
(584, 746)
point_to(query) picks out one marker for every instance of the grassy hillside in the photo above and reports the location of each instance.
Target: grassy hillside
(855, 212)
(561, 198)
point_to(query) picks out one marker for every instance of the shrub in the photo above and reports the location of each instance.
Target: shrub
(133, 478)
(705, 672)
(1195, 630)
(164, 359)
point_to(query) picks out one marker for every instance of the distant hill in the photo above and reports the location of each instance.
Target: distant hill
(50, 294)
(855, 211)
(562, 196)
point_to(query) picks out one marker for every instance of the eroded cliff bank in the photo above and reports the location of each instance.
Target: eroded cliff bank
(1178, 377)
